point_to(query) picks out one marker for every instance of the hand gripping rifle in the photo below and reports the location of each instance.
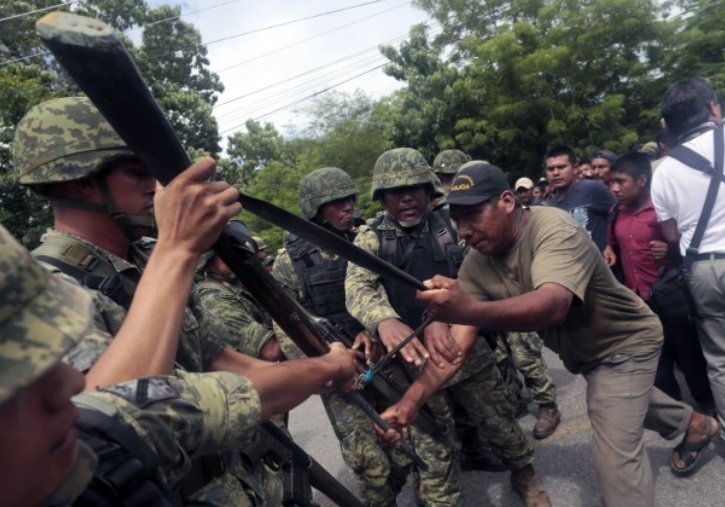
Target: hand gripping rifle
(99, 63)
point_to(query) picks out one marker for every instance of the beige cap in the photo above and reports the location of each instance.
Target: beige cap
(525, 183)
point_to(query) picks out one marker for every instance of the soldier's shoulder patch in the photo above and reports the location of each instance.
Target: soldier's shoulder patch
(145, 391)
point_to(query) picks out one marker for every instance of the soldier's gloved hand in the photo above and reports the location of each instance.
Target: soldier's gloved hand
(392, 332)
(446, 301)
(191, 211)
(441, 345)
(343, 364)
(372, 350)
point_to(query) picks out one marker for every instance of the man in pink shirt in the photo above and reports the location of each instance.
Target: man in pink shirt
(636, 242)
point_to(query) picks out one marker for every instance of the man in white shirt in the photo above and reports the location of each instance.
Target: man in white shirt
(691, 111)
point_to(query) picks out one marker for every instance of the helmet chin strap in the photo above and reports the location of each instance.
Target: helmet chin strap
(127, 222)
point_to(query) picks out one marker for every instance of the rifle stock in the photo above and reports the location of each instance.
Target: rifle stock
(300, 469)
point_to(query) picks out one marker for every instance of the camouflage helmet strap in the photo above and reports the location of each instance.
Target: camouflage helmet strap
(126, 221)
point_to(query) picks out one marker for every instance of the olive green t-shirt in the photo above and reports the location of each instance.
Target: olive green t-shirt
(605, 318)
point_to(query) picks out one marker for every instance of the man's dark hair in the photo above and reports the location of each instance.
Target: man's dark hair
(558, 151)
(686, 104)
(634, 164)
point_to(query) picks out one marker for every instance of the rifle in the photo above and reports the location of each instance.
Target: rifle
(316, 332)
(301, 471)
(93, 55)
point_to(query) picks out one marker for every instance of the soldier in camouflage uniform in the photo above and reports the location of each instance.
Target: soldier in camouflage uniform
(521, 351)
(316, 279)
(423, 243)
(261, 248)
(248, 324)
(446, 165)
(103, 200)
(172, 419)
(250, 332)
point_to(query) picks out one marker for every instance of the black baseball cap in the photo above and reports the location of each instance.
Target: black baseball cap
(476, 182)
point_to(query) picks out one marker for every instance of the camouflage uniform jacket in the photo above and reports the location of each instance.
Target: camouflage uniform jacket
(249, 326)
(179, 418)
(202, 335)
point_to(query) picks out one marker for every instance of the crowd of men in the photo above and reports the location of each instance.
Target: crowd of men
(175, 403)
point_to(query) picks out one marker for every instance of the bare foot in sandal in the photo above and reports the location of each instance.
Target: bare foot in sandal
(685, 456)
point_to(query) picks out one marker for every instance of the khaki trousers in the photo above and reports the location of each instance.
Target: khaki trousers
(621, 403)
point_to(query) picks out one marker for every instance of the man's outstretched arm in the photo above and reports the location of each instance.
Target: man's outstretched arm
(283, 386)
(431, 379)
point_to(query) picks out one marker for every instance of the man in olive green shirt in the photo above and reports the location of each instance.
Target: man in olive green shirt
(536, 269)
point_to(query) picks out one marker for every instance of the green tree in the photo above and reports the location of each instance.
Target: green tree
(700, 41)
(277, 183)
(423, 115)
(524, 75)
(181, 81)
(253, 149)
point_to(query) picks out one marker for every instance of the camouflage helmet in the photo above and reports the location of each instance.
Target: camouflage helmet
(449, 161)
(63, 140)
(41, 317)
(402, 167)
(322, 186)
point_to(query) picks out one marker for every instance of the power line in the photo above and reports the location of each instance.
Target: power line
(264, 55)
(300, 88)
(270, 27)
(303, 87)
(292, 104)
(310, 71)
(282, 48)
(23, 14)
(257, 30)
(171, 18)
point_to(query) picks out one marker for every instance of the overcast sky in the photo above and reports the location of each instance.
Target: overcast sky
(263, 71)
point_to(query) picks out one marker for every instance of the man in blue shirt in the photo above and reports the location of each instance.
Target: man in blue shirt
(587, 201)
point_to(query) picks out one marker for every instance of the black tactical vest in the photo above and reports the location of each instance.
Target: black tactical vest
(323, 282)
(435, 252)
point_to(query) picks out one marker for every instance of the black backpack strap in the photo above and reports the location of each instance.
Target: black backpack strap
(441, 233)
(128, 470)
(695, 161)
(111, 286)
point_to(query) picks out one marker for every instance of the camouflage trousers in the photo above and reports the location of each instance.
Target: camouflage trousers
(482, 402)
(381, 472)
(521, 352)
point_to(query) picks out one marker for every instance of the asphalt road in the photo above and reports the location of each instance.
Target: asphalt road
(563, 461)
